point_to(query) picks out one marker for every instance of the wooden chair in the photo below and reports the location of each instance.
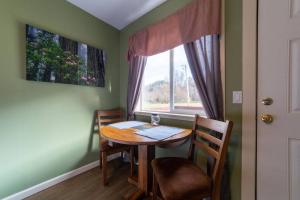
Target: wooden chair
(106, 117)
(181, 179)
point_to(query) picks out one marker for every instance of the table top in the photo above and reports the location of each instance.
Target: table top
(127, 136)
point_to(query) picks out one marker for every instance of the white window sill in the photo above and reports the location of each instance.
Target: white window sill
(184, 117)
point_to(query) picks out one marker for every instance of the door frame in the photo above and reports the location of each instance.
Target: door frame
(249, 107)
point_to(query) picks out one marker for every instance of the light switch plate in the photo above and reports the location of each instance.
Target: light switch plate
(237, 97)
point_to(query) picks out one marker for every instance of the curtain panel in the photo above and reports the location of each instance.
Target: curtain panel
(203, 56)
(136, 71)
(199, 18)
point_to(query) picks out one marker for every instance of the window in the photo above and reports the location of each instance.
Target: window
(168, 85)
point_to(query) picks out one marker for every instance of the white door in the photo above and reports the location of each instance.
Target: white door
(278, 143)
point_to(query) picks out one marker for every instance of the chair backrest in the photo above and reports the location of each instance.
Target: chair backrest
(106, 117)
(212, 137)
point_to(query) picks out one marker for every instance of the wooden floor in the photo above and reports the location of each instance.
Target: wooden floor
(88, 186)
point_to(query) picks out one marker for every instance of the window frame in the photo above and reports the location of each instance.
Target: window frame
(172, 109)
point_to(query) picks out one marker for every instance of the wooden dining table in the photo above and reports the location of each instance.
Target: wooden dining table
(146, 152)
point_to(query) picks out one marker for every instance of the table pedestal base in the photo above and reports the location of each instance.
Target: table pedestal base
(146, 154)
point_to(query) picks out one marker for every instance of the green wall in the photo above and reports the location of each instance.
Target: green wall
(45, 129)
(233, 46)
(233, 77)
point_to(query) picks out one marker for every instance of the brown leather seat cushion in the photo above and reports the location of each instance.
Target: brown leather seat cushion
(180, 179)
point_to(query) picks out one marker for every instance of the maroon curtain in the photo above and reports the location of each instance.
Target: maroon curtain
(198, 18)
(203, 56)
(136, 70)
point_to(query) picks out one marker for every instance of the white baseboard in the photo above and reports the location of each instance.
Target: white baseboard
(49, 183)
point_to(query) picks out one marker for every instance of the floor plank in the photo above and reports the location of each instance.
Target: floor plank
(88, 186)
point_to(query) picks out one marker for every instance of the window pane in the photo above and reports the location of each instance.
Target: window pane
(156, 83)
(186, 97)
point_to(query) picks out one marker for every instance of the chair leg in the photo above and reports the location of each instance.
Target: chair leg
(154, 188)
(100, 160)
(104, 168)
(131, 161)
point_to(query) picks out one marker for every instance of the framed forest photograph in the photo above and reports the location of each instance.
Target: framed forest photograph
(53, 58)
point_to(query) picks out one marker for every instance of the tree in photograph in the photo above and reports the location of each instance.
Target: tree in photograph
(95, 67)
(43, 56)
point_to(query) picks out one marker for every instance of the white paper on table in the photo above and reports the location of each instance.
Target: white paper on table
(127, 124)
(159, 132)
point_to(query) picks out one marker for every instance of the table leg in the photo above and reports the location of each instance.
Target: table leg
(146, 154)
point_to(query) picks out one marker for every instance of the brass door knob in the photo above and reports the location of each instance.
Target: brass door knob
(267, 118)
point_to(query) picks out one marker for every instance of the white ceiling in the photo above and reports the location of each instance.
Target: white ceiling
(118, 13)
